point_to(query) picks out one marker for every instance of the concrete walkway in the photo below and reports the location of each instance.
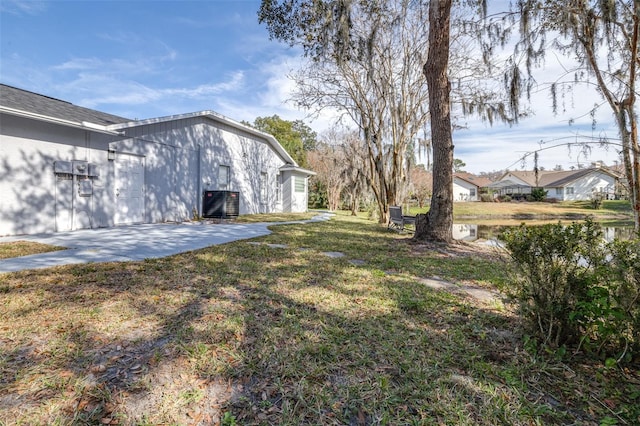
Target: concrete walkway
(136, 242)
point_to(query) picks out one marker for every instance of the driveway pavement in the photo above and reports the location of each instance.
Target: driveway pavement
(137, 242)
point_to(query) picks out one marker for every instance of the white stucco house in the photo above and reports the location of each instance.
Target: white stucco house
(65, 167)
(466, 186)
(567, 185)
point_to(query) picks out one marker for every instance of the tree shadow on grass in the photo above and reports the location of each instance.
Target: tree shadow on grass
(271, 335)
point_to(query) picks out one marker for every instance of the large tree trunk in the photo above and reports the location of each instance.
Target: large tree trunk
(624, 111)
(437, 224)
(633, 175)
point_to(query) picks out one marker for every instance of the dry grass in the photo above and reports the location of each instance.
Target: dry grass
(24, 248)
(254, 333)
(275, 217)
(538, 210)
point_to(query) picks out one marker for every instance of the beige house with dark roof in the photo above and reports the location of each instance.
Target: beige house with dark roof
(566, 185)
(466, 186)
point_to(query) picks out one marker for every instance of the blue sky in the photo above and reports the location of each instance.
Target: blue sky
(143, 59)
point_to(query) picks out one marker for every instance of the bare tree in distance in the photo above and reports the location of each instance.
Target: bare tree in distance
(366, 61)
(493, 175)
(421, 184)
(328, 161)
(354, 173)
(378, 88)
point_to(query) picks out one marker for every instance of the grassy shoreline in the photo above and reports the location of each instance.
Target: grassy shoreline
(513, 213)
(277, 331)
(573, 210)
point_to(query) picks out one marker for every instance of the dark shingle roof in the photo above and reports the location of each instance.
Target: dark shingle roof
(478, 181)
(562, 178)
(22, 100)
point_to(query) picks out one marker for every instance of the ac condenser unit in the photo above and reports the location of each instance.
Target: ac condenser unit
(220, 204)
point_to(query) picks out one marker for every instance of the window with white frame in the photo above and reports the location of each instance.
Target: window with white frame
(569, 190)
(299, 184)
(472, 192)
(558, 191)
(224, 177)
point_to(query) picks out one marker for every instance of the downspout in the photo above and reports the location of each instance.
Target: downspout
(176, 217)
(199, 189)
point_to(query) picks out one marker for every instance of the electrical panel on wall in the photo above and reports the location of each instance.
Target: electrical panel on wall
(80, 168)
(63, 167)
(85, 188)
(94, 170)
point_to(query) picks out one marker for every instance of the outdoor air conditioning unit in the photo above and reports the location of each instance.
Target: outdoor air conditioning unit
(220, 204)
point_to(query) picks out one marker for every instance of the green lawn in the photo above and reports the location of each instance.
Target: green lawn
(275, 332)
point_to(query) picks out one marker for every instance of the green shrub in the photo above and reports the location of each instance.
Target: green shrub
(317, 195)
(624, 280)
(538, 194)
(373, 213)
(596, 200)
(575, 290)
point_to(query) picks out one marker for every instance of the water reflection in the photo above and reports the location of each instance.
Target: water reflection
(479, 231)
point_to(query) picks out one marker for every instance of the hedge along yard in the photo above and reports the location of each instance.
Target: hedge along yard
(334, 323)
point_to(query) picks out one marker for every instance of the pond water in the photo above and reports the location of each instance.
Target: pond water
(492, 231)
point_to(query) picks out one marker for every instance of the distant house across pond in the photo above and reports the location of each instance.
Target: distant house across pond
(467, 187)
(568, 185)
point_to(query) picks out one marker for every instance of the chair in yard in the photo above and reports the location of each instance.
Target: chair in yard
(398, 221)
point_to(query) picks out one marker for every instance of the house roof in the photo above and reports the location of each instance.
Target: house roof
(34, 105)
(289, 168)
(44, 108)
(212, 115)
(552, 178)
(478, 181)
(507, 183)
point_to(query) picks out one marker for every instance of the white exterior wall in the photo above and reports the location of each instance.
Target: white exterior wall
(294, 202)
(28, 152)
(585, 186)
(462, 190)
(180, 159)
(176, 152)
(287, 191)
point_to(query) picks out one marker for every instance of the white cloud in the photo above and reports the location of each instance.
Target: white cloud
(80, 64)
(19, 7)
(95, 90)
(234, 82)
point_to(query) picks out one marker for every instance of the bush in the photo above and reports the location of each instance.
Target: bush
(317, 195)
(504, 198)
(624, 280)
(596, 200)
(487, 198)
(372, 211)
(538, 194)
(575, 290)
